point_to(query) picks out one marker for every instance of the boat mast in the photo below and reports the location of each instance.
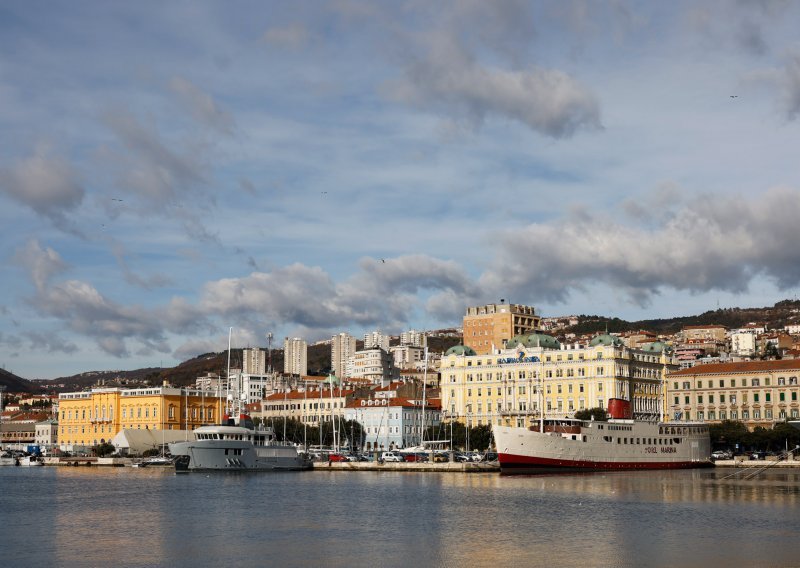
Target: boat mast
(424, 390)
(228, 375)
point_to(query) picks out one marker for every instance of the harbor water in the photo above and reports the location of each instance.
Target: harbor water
(57, 516)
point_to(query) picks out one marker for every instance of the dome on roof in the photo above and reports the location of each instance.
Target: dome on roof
(656, 347)
(516, 341)
(460, 350)
(542, 340)
(605, 339)
(332, 380)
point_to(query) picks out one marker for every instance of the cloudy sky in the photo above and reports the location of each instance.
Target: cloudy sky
(170, 170)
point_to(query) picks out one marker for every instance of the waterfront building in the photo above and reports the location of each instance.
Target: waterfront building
(310, 406)
(375, 364)
(18, 431)
(393, 422)
(46, 434)
(93, 417)
(491, 326)
(376, 339)
(535, 374)
(343, 346)
(758, 393)
(295, 356)
(254, 361)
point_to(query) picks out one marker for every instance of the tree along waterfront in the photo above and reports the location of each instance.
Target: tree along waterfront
(732, 435)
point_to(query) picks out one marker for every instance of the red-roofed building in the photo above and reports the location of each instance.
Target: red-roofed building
(308, 405)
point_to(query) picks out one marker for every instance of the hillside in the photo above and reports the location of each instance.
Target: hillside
(13, 383)
(775, 317)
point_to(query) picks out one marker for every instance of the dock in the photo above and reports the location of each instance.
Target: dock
(445, 467)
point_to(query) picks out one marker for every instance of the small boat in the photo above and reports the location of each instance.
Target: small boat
(617, 444)
(7, 459)
(29, 461)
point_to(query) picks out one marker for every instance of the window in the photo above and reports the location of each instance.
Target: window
(699, 384)
(711, 399)
(755, 397)
(722, 383)
(768, 397)
(699, 399)
(686, 385)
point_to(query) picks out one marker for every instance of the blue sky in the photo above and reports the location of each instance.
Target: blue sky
(172, 170)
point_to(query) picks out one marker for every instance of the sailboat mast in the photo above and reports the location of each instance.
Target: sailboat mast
(424, 391)
(228, 374)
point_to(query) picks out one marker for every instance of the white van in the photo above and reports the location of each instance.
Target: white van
(392, 457)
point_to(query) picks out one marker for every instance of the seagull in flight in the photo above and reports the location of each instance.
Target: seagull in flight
(734, 96)
(115, 199)
(383, 260)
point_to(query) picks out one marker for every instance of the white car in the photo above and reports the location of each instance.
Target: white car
(392, 457)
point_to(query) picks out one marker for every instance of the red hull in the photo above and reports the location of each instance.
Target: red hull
(510, 463)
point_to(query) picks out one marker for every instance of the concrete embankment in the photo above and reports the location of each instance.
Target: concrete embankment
(743, 462)
(447, 467)
(84, 461)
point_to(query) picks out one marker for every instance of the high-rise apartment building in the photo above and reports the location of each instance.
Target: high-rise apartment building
(414, 338)
(295, 356)
(495, 324)
(376, 339)
(343, 346)
(254, 361)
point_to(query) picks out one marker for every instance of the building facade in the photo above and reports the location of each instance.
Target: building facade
(95, 417)
(309, 406)
(390, 423)
(491, 326)
(254, 361)
(536, 375)
(414, 337)
(408, 357)
(343, 346)
(375, 365)
(758, 393)
(376, 339)
(295, 356)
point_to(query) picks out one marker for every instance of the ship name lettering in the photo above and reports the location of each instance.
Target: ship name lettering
(668, 450)
(651, 450)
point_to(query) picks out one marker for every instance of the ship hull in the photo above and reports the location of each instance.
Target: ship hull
(603, 446)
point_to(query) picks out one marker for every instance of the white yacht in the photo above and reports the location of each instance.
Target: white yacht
(232, 447)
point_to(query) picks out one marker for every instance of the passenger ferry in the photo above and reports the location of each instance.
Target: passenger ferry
(616, 444)
(236, 447)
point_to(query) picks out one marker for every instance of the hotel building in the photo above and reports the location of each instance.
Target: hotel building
(535, 374)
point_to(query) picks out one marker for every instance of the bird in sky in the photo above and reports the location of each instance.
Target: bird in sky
(734, 96)
(383, 260)
(115, 199)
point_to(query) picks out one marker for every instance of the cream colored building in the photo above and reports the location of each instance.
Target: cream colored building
(491, 326)
(308, 406)
(376, 365)
(254, 361)
(536, 375)
(758, 393)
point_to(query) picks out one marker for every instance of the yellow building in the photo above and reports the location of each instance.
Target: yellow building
(491, 326)
(759, 393)
(96, 416)
(536, 374)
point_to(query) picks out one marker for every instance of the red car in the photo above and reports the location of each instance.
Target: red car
(337, 458)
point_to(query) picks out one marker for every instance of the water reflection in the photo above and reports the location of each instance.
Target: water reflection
(95, 517)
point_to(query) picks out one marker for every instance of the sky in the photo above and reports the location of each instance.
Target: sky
(172, 170)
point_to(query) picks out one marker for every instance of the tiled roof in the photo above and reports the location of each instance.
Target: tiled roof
(740, 367)
(310, 395)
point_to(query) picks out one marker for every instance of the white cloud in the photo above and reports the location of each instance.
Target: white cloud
(47, 184)
(710, 244)
(42, 263)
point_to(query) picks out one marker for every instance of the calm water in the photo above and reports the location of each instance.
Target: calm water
(57, 516)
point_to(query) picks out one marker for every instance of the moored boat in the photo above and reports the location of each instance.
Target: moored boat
(232, 447)
(616, 444)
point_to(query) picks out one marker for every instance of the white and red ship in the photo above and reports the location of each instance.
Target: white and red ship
(617, 444)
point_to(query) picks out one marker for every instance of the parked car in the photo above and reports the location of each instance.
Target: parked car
(337, 458)
(392, 457)
(415, 457)
(721, 455)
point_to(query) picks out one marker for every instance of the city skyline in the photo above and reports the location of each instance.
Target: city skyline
(307, 169)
